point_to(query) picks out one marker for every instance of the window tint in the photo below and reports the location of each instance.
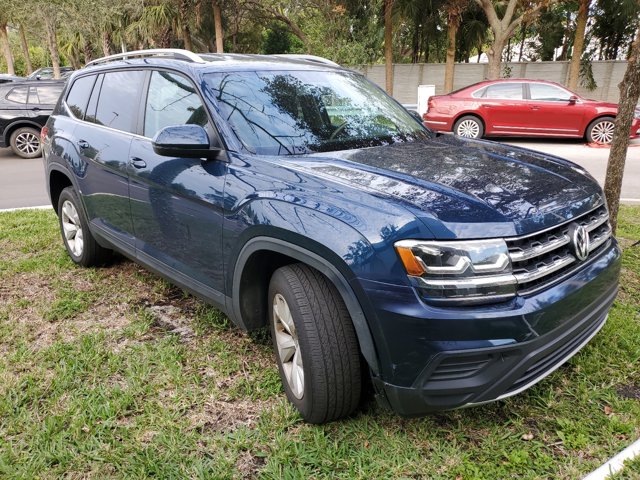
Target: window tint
(548, 93)
(172, 100)
(118, 102)
(509, 91)
(45, 94)
(18, 95)
(79, 95)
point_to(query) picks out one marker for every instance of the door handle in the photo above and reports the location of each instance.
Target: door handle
(83, 144)
(35, 109)
(138, 162)
(535, 108)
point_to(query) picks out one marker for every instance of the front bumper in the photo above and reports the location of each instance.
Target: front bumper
(478, 355)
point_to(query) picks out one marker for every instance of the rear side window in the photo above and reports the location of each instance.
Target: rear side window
(172, 100)
(508, 91)
(45, 94)
(18, 95)
(79, 95)
(119, 100)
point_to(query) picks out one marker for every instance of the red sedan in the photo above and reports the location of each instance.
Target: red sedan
(518, 107)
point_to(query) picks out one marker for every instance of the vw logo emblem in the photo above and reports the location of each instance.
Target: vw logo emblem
(579, 241)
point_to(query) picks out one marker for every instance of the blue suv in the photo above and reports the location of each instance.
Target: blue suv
(293, 193)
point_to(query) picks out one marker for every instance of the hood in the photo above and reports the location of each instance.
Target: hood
(466, 188)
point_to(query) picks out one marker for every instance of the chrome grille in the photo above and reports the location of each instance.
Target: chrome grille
(544, 258)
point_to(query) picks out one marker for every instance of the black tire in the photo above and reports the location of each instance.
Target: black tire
(326, 344)
(469, 127)
(90, 252)
(25, 142)
(601, 130)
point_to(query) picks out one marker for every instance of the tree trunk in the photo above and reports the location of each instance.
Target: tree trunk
(52, 43)
(87, 51)
(495, 58)
(523, 32)
(106, 43)
(578, 45)
(186, 38)
(6, 49)
(25, 50)
(629, 95)
(449, 68)
(217, 19)
(388, 46)
(184, 24)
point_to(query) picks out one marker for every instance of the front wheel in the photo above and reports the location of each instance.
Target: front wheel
(315, 343)
(469, 127)
(601, 130)
(25, 142)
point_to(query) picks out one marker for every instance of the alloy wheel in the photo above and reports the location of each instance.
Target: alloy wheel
(27, 143)
(72, 228)
(288, 345)
(468, 129)
(602, 132)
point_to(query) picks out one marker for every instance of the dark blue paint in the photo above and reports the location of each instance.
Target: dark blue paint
(349, 207)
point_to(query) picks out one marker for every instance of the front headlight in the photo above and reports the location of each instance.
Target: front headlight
(459, 272)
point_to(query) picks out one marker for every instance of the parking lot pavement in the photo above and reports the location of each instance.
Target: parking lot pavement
(22, 182)
(593, 159)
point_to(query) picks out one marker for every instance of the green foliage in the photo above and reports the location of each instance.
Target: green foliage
(587, 80)
(278, 39)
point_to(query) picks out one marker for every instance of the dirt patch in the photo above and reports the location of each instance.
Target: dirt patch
(248, 465)
(170, 318)
(629, 391)
(222, 416)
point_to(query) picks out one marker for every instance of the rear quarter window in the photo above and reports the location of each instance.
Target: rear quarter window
(78, 96)
(18, 95)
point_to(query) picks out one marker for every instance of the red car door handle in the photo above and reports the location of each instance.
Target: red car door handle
(535, 108)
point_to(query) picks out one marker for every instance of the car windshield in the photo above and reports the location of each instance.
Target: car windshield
(297, 112)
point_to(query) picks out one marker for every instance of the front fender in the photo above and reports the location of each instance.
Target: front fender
(330, 246)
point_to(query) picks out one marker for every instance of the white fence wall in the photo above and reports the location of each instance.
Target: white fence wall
(406, 78)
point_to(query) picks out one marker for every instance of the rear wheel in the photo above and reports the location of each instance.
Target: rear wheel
(25, 142)
(601, 130)
(315, 343)
(469, 127)
(80, 244)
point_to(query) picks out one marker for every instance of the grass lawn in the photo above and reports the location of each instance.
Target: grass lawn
(113, 372)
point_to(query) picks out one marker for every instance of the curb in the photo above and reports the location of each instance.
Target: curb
(615, 464)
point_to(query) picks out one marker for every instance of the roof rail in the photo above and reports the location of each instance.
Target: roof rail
(174, 53)
(311, 58)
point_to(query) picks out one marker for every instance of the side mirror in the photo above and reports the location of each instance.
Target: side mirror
(573, 99)
(416, 115)
(189, 141)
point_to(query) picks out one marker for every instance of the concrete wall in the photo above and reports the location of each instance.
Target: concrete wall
(608, 74)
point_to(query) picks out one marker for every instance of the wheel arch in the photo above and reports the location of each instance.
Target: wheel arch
(58, 181)
(468, 114)
(260, 257)
(12, 127)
